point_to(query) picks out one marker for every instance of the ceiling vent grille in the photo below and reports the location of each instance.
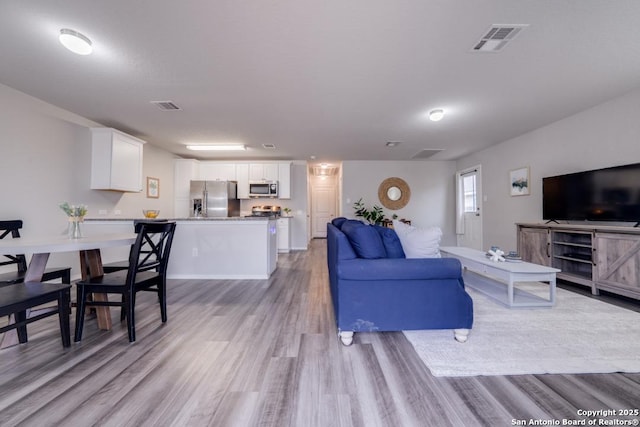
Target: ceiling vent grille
(497, 37)
(269, 146)
(166, 105)
(425, 154)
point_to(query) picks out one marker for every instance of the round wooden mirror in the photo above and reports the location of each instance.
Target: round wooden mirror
(394, 193)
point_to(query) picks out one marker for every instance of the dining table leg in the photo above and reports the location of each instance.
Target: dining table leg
(91, 266)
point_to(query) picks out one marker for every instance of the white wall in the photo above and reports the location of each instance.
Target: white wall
(45, 154)
(432, 187)
(603, 136)
(298, 205)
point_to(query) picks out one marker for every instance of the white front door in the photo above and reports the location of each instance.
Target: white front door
(469, 219)
(323, 205)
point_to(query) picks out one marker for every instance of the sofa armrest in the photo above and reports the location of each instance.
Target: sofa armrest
(399, 269)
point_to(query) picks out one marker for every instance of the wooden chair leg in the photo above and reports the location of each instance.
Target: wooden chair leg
(129, 302)
(64, 311)
(81, 301)
(162, 294)
(21, 316)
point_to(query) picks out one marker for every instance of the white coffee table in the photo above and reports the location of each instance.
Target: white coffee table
(490, 278)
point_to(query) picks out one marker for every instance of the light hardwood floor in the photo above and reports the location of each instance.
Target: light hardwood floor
(266, 353)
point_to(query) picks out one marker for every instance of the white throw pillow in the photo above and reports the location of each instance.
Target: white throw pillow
(418, 242)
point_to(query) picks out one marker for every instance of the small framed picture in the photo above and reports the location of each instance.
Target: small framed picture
(519, 182)
(153, 187)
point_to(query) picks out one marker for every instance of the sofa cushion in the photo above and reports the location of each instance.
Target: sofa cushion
(391, 242)
(338, 221)
(400, 269)
(419, 242)
(364, 239)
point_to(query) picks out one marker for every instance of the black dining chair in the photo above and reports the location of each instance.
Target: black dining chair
(13, 228)
(114, 266)
(147, 271)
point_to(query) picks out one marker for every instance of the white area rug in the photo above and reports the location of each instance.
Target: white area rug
(577, 335)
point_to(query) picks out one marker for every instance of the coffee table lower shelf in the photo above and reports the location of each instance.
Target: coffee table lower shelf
(498, 292)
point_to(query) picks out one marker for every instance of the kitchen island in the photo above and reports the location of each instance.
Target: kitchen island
(210, 248)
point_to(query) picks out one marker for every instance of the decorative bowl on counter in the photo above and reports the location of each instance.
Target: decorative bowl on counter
(150, 213)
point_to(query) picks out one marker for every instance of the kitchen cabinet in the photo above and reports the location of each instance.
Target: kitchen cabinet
(185, 171)
(263, 171)
(242, 176)
(242, 172)
(216, 171)
(116, 160)
(284, 234)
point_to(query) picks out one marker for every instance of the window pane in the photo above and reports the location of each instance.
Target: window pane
(469, 192)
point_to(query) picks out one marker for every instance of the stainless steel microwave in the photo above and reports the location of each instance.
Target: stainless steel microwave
(263, 189)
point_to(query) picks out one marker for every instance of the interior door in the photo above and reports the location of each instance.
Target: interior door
(469, 218)
(323, 205)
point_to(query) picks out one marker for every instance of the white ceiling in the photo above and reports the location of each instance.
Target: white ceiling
(325, 78)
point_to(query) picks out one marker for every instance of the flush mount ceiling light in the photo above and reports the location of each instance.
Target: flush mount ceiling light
(217, 147)
(76, 42)
(436, 115)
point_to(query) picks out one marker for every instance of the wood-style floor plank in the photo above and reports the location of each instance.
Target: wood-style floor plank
(266, 353)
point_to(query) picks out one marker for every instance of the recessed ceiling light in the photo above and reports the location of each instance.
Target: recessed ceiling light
(436, 115)
(217, 147)
(76, 42)
(392, 143)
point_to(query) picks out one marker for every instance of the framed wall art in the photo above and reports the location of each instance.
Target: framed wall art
(153, 187)
(519, 182)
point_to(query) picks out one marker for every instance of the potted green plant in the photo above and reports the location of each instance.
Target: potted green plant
(375, 215)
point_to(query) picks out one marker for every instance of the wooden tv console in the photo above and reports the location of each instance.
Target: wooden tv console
(600, 257)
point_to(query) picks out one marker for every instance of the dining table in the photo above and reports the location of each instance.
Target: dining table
(90, 258)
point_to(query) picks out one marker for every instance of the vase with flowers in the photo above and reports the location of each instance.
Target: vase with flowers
(76, 214)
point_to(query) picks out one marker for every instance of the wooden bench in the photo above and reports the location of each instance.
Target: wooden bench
(17, 299)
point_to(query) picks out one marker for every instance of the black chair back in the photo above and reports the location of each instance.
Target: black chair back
(12, 227)
(151, 249)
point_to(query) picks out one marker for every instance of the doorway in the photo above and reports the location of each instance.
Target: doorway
(468, 212)
(323, 203)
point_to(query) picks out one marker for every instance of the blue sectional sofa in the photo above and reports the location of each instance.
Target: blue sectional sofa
(375, 288)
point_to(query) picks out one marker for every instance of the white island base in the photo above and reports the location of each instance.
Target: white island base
(209, 248)
(224, 249)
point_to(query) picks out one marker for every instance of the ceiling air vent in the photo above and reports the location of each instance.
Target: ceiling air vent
(425, 154)
(269, 146)
(166, 105)
(497, 37)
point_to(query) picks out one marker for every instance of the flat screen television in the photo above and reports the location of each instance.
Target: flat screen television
(611, 194)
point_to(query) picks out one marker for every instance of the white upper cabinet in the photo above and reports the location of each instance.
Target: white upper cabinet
(185, 171)
(242, 176)
(116, 160)
(263, 171)
(216, 171)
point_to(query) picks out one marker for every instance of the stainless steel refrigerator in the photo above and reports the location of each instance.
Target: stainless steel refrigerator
(214, 199)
